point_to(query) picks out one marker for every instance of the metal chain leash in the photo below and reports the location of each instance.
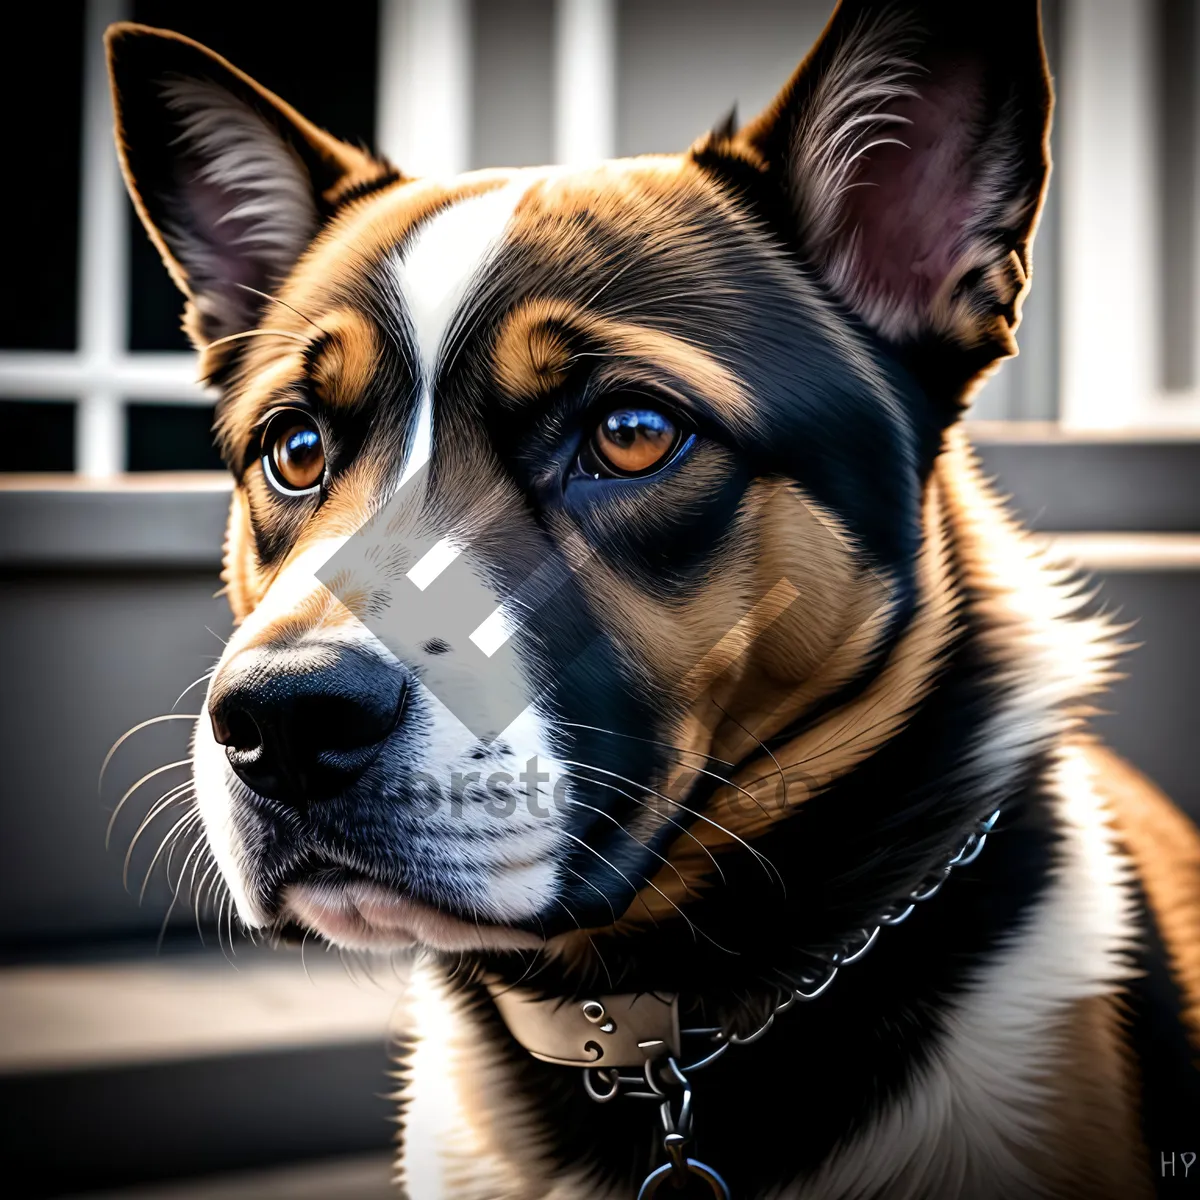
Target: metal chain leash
(667, 1082)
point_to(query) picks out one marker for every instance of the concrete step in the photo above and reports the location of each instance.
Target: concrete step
(362, 1178)
(120, 1074)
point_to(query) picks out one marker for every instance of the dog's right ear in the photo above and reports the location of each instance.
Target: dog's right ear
(231, 183)
(911, 149)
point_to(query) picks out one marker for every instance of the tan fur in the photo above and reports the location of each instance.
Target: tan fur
(1093, 1147)
(1165, 847)
(626, 347)
(530, 358)
(348, 359)
(238, 571)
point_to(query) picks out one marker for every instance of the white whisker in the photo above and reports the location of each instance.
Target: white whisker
(137, 729)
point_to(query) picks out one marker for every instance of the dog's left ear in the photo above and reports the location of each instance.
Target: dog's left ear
(912, 146)
(230, 181)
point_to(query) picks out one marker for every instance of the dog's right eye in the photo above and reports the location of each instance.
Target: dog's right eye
(630, 442)
(293, 452)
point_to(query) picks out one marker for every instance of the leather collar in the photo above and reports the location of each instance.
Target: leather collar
(622, 1030)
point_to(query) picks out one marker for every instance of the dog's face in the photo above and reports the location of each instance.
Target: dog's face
(558, 494)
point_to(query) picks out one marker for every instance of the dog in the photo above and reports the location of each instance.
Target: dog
(623, 620)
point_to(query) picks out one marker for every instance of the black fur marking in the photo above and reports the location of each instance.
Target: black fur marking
(727, 126)
(387, 177)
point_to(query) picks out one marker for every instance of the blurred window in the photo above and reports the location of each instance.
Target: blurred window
(90, 320)
(41, 218)
(38, 435)
(1179, 183)
(329, 78)
(170, 437)
(512, 108)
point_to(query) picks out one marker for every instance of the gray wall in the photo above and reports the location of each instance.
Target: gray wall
(85, 656)
(512, 113)
(682, 65)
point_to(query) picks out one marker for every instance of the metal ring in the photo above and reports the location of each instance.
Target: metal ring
(673, 1067)
(963, 850)
(971, 850)
(930, 886)
(651, 1082)
(707, 1060)
(678, 1128)
(675, 1145)
(751, 1038)
(990, 824)
(601, 1097)
(897, 914)
(817, 987)
(652, 1185)
(784, 1005)
(867, 941)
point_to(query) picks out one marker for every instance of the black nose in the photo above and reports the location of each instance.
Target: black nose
(302, 724)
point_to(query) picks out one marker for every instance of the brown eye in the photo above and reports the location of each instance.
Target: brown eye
(633, 441)
(293, 452)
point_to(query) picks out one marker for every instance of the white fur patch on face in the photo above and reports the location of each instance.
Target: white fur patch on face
(435, 274)
(960, 1128)
(447, 256)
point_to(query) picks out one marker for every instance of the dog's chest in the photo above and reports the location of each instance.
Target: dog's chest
(980, 1117)
(469, 1130)
(474, 1132)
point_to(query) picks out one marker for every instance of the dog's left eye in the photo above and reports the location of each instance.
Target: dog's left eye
(629, 442)
(293, 452)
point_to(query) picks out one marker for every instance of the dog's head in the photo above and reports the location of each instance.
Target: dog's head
(559, 493)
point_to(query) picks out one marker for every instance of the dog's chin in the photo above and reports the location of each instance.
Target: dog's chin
(366, 916)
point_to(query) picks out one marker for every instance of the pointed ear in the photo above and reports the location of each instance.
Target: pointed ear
(912, 144)
(231, 183)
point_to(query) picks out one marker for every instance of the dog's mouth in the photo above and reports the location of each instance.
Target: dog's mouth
(361, 914)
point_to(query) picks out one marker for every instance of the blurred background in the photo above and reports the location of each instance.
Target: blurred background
(143, 1054)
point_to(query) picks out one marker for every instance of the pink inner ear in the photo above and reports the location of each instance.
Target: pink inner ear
(910, 208)
(222, 245)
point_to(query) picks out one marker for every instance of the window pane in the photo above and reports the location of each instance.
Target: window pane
(682, 64)
(41, 91)
(170, 437)
(38, 436)
(512, 114)
(327, 70)
(1179, 55)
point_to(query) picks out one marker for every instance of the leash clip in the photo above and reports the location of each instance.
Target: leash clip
(679, 1170)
